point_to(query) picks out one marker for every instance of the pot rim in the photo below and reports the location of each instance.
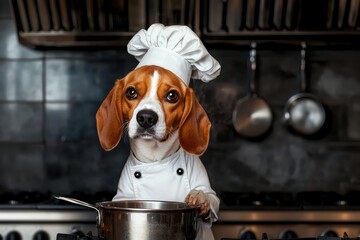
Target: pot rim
(109, 205)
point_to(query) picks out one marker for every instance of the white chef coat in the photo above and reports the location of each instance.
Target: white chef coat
(164, 181)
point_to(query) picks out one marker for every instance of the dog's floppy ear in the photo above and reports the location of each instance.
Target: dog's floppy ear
(194, 130)
(109, 119)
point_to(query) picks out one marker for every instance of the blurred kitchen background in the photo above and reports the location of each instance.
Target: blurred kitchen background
(49, 97)
(59, 59)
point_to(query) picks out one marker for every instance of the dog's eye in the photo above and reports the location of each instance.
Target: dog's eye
(172, 96)
(131, 93)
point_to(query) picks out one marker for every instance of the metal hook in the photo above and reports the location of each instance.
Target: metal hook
(302, 67)
(252, 59)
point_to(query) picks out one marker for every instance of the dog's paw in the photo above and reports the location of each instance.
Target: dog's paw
(199, 199)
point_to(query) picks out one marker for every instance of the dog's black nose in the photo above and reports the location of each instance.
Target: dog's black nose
(147, 118)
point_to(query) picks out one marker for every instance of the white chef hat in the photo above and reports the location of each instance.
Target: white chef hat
(175, 48)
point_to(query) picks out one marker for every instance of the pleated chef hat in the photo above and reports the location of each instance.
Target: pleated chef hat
(176, 48)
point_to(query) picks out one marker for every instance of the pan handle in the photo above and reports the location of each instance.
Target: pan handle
(250, 14)
(81, 203)
(252, 59)
(278, 10)
(330, 14)
(303, 68)
(341, 13)
(224, 15)
(353, 15)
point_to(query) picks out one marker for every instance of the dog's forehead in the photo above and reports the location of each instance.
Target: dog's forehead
(137, 76)
(153, 77)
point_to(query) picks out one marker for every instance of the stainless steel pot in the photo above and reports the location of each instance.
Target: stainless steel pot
(145, 220)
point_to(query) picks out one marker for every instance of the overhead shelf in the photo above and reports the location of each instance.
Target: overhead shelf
(73, 23)
(241, 21)
(105, 23)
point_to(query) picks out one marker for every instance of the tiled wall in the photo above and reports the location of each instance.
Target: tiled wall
(283, 161)
(48, 139)
(48, 100)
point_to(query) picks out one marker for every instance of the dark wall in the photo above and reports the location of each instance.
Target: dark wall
(284, 161)
(48, 101)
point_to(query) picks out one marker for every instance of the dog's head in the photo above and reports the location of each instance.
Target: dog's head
(153, 103)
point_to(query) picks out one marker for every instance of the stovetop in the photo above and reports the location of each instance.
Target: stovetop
(45, 200)
(90, 236)
(312, 200)
(265, 237)
(229, 200)
(270, 212)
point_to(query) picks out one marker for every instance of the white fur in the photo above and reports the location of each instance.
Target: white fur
(152, 148)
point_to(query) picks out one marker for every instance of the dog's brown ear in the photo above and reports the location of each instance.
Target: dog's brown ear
(109, 119)
(194, 130)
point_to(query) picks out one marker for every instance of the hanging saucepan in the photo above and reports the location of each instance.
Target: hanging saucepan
(252, 116)
(135, 219)
(304, 113)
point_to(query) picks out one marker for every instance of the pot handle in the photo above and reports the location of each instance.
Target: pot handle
(81, 203)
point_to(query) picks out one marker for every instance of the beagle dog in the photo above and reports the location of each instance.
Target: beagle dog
(164, 121)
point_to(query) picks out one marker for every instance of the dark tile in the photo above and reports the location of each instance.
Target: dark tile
(71, 122)
(22, 167)
(233, 67)
(219, 96)
(84, 167)
(21, 81)
(284, 166)
(9, 44)
(353, 119)
(335, 75)
(278, 75)
(81, 80)
(218, 99)
(21, 122)
(5, 9)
